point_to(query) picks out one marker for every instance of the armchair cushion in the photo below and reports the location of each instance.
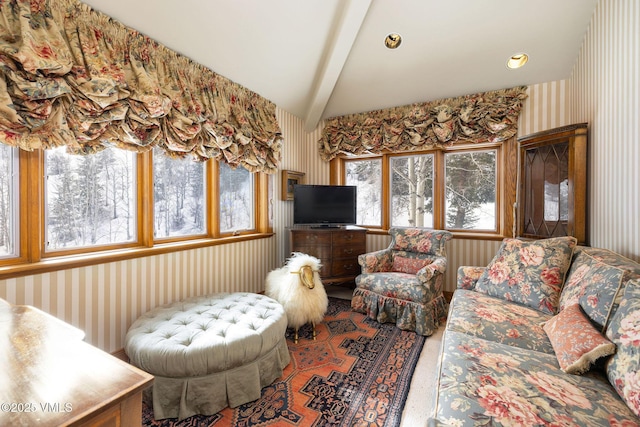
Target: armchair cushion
(401, 286)
(529, 272)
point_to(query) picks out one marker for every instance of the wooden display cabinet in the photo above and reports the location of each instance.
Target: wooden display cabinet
(552, 197)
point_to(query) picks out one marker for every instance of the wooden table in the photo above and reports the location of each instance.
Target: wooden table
(50, 377)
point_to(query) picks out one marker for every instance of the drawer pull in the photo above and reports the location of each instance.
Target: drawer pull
(312, 237)
(349, 237)
(348, 251)
(348, 266)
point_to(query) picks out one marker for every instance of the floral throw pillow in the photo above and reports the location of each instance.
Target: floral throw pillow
(595, 284)
(623, 369)
(575, 341)
(529, 272)
(408, 265)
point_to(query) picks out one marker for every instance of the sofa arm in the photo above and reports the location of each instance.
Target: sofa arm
(468, 276)
(377, 261)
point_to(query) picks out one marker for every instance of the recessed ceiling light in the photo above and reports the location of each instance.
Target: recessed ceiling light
(517, 60)
(393, 40)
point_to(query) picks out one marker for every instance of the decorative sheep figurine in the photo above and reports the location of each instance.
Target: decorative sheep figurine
(297, 286)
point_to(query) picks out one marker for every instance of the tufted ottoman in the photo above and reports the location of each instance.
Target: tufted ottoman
(209, 352)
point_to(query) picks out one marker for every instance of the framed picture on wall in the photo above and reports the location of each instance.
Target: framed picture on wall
(289, 179)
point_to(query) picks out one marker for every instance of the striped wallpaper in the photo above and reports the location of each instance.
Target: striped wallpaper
(103, 300)
(606, 94)
(603, 90)
(546, 107)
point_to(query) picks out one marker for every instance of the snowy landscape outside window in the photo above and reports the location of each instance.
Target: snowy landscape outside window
(89, 200)
(236, 199)
(367, 176)
(470, 190)
(412, 191)
(179, 196)
(454, 190)
(8, 201)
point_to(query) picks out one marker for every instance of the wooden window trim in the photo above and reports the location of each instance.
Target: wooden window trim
(23, 241)
(499, 178)
(256, 204)
(32, 259)
(141, 183)
(506, 169)
(148, 235)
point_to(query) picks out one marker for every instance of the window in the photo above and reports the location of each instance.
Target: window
(455, 189)
(61, 207)
(90, 200)
(367, 176)
(412, 191)
(470, 190)
(236, 199)
(179, 197)
(8, 201)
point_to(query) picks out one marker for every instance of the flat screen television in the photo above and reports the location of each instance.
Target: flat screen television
(324, 205)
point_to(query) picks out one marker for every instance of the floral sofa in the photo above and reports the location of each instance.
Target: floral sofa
(547, 334)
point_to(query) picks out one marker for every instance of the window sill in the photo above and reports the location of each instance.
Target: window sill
(469, 235)
(83, 260)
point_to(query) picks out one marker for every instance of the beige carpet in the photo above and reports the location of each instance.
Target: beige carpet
(420, 398)
(418, 407)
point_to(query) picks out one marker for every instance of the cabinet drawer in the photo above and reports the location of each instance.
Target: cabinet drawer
(349, 237)
(345, 267)
(307, 238)
(323, 253)
(348, 250)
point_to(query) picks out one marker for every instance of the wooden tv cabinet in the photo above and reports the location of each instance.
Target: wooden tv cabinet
(51, 377)
(337, 248)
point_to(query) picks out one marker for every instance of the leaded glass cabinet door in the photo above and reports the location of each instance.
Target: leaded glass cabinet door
(553, 184)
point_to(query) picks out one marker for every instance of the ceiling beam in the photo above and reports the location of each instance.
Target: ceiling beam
(349, 19)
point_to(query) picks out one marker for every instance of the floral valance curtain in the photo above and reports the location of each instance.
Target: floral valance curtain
(71, 76)
(490, 116)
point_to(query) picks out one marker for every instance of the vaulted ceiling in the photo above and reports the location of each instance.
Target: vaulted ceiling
(323, 58)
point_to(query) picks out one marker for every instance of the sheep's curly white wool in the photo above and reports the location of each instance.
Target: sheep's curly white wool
(301, 304)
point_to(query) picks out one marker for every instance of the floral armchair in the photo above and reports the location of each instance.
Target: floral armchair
(403, 283)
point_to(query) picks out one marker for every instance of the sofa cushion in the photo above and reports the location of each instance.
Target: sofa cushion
(623, 369)
(487, 383)
(497, 320)
(529, 272)
(576, 342)
(409, 265)
(596, 281)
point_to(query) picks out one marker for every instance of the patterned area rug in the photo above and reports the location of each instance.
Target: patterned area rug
(357, 372)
